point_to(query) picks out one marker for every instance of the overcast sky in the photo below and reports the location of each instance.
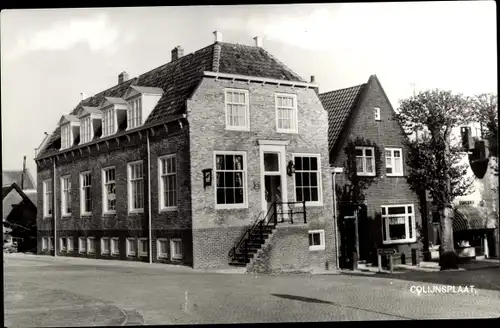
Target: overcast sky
(48, 57)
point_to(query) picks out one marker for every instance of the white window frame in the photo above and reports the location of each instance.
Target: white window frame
(45, 243)
(86, 129)
(135, 106)
(161, 191)
(66, 136)
(390, 162)
(159, 254)
(245, 173)
(48, 195)
(114, 241)
(130, 241)
(295, 115)
(82, 194)
(364, 161)
(105, 241)
(82, 241)
(319, 202)
(105, 209)
(173, 256)
(142, 252)
(321, 246)
(246, 126)
(385, 224)
(70, 244)
(66, 195)
(109, 121)
(61, 244)
(377, 113)
(89, 251)
(130, 182)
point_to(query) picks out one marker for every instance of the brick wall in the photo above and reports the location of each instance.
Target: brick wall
(206, 114)
(385, 190)
(123, 223)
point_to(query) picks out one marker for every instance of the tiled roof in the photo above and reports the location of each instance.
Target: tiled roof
(147, 89)
(339, 104)
(179, 78)
(9, 177)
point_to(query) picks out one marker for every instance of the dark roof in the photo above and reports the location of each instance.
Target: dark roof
(179, 78)
(148, 89)
(9, 200)
(340, 104)
(10, 177)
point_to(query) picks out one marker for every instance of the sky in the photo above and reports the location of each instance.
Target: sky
(49, 57)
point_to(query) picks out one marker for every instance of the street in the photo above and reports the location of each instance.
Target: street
(47, 291)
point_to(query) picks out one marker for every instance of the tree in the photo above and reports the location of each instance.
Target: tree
(433, 159)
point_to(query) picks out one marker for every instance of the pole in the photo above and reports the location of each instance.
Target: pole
(22, 173)
(335, 220)
(54, 209)
(149, 201)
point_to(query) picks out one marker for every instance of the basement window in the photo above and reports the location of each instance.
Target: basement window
(316, 240)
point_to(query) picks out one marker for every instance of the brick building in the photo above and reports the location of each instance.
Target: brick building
(177, 164)
(377, 209)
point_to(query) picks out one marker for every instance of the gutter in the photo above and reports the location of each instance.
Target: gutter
(262, 80)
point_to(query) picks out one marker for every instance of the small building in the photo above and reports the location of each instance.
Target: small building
(377, 209)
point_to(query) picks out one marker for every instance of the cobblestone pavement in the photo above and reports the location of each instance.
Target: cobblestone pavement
(46, 291)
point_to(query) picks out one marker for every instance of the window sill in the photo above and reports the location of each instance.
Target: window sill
(143, 255)
(162, 257)
(141, 211)
(287, 131)
(109, 213)
(65, 216)
(399, 241)
(316, 248)
(365, 174)
(85, 214)
(231, 207)
(176, 258)
(131, 255)
(168, 209)
(310, 204)
(238, 129)
(105, 254)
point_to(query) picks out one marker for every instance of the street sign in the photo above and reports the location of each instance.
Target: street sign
(386, 251)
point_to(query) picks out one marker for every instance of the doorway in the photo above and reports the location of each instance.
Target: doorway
(273, 181)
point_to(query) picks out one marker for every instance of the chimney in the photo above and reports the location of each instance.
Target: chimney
(177, 52)
(313, 80)
(218, 36)
(22, 174)
(122, 77)
(258, 41)
(82, 96)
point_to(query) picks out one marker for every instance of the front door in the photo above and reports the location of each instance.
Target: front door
(272, 179)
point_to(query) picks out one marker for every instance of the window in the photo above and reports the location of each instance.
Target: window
(66, 195)
(365, 161)
(82, 245)
(377, 114)
(131, 246)
(45, 243)
(286, 113)
(86, 193)
(47, 198)
(237, 110)
(115, 248)
(105, 246)
(136, 187)
(91, 245)
(109, 190)
(86, 130)
(176, 249)
(63, 243)
(393, 162)
(398, 224)
(168, 182)
(66, 136)
(230, 175)
(51, 243)
(316, 240)
(162, 248)
(69, 244)
(134, 113)
(143, 247)
(108, 124)
(308, 179)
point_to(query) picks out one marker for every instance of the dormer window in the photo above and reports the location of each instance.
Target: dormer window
(86, 130)
(140, 103)
(66, 136)
(134, 113)
(109, 121)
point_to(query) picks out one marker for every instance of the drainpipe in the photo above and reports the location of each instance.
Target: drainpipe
(54, 208)
(335, 171)
(149, 200)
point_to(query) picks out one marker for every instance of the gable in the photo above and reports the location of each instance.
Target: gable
(10, 177)
(12, 198)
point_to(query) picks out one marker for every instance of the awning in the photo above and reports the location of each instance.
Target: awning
(472, 218)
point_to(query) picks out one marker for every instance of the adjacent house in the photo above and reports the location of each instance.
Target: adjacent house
(376, 208)
(217, 157)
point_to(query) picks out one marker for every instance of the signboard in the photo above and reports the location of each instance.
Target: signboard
(386, 251)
